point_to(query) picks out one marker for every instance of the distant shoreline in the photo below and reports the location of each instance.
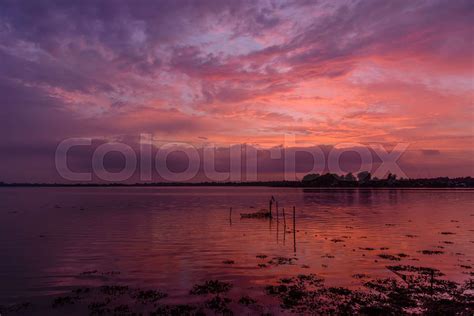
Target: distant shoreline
(459, 183)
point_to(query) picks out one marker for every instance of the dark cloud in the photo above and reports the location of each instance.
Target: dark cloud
(47, 72)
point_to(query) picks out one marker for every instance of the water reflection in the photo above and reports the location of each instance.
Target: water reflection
(176, 237)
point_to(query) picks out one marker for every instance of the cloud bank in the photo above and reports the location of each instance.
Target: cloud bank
(234, 72)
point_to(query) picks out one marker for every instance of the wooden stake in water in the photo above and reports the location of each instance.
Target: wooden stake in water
(278, 227)
(230, 216)
(270, 207)
(276, 206)
(294, 229)
(284, 226)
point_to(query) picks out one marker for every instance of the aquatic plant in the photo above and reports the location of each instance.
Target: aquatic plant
(148, 296)
(123, 310)
(16, 308)
(431, 252)
(388, 257)
(114, 290)
(211, 287)
(247, 300)
(63, 300)
(327, 256)
(81, 290)
(99, 308)
(89, 272)
(177, 310)
(219, 305)
(420, 292)
(277, 261)
(260, 214)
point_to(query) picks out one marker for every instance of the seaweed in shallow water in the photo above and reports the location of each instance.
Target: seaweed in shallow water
(211, 287)
(149, 296)
(277, 261)
(420, 292)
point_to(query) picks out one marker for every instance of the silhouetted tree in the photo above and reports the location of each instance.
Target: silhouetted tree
(391, 179)
(364, 176)
(349, 177)
(327, 180)
(310, 177)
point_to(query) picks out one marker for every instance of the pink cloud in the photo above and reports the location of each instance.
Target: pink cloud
(241, 72)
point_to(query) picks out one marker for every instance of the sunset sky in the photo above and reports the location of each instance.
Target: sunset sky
(232, 72)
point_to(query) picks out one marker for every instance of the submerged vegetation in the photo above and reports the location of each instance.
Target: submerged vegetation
(211, 287)
(411, 290)
(260, 214)
(418, 291)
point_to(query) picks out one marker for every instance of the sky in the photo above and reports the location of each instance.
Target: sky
(332, 74)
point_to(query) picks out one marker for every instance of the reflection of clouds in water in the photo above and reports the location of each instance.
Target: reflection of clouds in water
(176, 237)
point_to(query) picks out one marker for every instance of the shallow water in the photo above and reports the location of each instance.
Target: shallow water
(174, 237)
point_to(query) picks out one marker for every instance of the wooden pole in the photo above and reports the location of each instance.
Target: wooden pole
(284, 226)
(276, 207)
(270, 208)
(294, 229)
(278, 226)
(230, 216)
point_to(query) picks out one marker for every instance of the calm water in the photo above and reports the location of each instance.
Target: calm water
(172, 238)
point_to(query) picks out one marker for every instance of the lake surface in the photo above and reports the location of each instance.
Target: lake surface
(53, 240)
